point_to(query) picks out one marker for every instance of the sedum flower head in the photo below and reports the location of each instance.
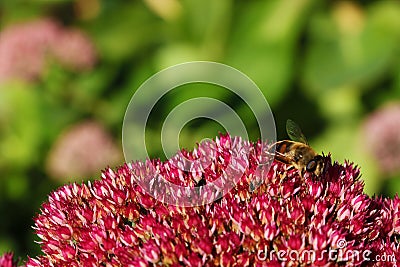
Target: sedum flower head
(82, 150)
(114, 222)
(25, 48)
(382, 134)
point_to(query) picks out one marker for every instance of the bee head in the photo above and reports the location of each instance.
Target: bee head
(316, 165)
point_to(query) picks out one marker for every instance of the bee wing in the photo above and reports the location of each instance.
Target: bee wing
(294, 132)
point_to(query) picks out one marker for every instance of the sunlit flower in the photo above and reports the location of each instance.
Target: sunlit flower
(349, 17)
(25, 48)
(382, 136)
(82, 150)
(288, 220)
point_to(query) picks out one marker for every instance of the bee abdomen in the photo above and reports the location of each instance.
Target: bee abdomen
(283, 147)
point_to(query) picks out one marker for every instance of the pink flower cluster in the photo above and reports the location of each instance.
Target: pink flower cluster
(114, 222)
(82, 150)
(7, 260)
(382, 136)
(24, 49)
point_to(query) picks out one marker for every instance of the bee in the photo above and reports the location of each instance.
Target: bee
(297, 152)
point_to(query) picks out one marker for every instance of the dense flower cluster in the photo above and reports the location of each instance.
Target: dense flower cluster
(382, 134)
(289, 220)
(24, 49)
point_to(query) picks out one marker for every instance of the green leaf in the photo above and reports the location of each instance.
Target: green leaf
(123, 30)
(264, 41)
(21, 125)
(336, 58)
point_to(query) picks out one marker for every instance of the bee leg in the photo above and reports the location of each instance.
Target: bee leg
(282, 158)
(301, 173)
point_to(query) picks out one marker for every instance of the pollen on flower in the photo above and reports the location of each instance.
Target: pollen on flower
(114, 222)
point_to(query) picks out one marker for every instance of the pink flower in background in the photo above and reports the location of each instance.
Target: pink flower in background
(382, 133)
(7, 260)
(74, 49)
(114, 222)
(82, 150)
(25, 48)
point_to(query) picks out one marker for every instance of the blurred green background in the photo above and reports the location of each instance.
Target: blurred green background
(69, 68)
